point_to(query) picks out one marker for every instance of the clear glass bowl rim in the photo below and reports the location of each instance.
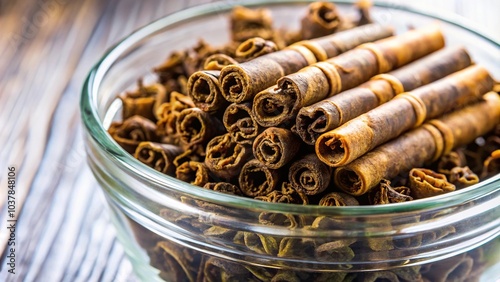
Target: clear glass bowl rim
(126, 162)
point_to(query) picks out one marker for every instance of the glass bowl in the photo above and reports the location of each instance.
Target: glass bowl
(174, 231)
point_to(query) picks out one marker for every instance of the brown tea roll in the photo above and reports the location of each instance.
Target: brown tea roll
(384, 193)
(143, 101)
(419, 146)
(491, 164)
(286, 195)
(187, 156)
(224, 187)
(279, 104)
(426, 183)
(216, 270)
(171, 69)
(322, 19)
(452, 269)
(225, 158)
(196, 127)
(218, 61)
(449, 161)
(462, 177)
(257, 180)
(241, 82)
(310, 174)
(240, 122)
(338, 199)
(335, 44)
(346, 143)
(192, 172)
(167, 114)
(204, 89)
(132, 131)
(255, 47)
(414, 44)
(158, 156)
(330, 113)
(275, 147)
(247, 23)
(175, 262)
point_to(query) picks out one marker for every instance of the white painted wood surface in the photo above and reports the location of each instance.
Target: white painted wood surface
(47, 48)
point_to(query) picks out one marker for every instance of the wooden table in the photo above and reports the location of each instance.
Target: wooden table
(47, 47)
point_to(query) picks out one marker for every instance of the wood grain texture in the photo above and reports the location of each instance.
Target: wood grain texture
(47, 47)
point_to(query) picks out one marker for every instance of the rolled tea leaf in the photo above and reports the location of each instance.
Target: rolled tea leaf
(322, 19)
(310, 174)
(176, 263)
(261, 273)
(491, 165)
(426, 183)
(338, 199)
(275, 147)
(462, 177)
(364, 7)
(247, 23)
(224, 187)
(187, 156)
(192, 172)
(196, 56)
(451, 269)
(335, 250)
(218, 61)
(204, 89)
(255, 47)
(287, 194)
(394, 52)
(334, 111)
(449, 161)
(421, 145)
(386, 194)
(167, 115)
(132, 131)
(261, 244)
(143, 101)
(217, 270)
(225, 158)
(171, 69)
(241, 82)
(335, 44)
(240, 122)
(196, 127)
(158, 156)
(257, 180)
(346, 143)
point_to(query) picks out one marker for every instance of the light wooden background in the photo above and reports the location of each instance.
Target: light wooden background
(46, 49)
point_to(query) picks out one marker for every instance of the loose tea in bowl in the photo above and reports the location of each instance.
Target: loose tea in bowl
(234, 120)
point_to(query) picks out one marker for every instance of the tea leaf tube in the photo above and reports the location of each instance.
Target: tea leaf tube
(224, 157)
(241, 82)
(419, 146)
(158, 156)
(240, 122)
(330, 113)
(257, 180)
(204, 89)
(280, 104)
(275, 147)
(310, 175)
(353, 139)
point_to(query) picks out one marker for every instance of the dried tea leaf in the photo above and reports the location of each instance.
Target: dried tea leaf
(427, 183)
